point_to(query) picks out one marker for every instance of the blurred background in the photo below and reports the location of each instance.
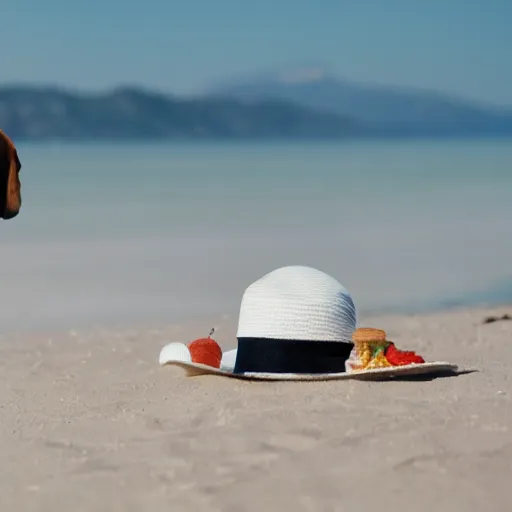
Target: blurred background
(173, 152)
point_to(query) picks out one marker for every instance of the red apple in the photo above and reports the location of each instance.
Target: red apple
(206, 351)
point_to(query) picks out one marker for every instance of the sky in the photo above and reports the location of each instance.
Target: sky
(460, 47)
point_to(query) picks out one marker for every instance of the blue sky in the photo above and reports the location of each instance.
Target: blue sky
(457, 46)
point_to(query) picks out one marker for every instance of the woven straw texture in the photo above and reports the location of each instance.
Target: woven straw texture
(297, 303)
(433, 368)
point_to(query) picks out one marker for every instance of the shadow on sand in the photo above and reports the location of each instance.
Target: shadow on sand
(432, 376)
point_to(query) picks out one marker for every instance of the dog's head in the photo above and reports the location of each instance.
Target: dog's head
(10, 186)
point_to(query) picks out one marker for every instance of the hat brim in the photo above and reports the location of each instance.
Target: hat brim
(433, 368)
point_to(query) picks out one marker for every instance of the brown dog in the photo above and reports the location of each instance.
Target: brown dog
(10, 186)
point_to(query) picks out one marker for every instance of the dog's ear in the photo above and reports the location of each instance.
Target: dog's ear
(10, 186)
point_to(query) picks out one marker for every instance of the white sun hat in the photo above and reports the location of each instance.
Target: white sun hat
(295, 323)
(297, 303)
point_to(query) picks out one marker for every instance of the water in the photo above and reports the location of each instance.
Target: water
(129, 234)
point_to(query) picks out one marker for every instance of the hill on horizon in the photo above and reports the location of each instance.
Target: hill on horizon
(392, 110)
(306, 103)
(42, 113)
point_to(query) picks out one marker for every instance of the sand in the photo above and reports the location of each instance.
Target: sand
(90, 422)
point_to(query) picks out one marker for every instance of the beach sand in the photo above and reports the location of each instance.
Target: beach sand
(90, 422)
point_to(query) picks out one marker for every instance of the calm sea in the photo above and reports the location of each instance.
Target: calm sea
(127, 234)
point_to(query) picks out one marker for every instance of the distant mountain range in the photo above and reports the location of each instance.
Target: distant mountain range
(50, 113)
(386, 110)
(303, 103)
